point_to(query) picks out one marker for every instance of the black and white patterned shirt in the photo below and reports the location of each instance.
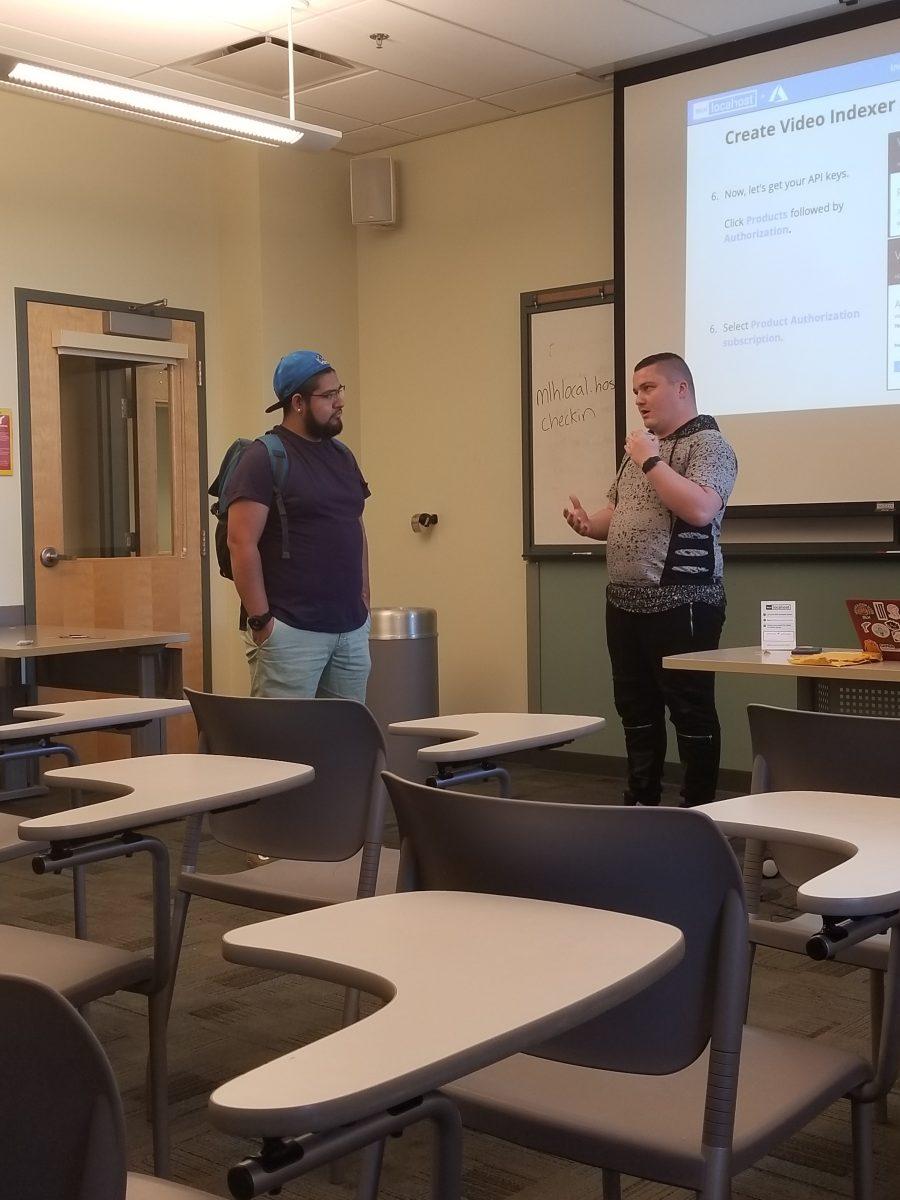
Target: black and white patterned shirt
(657, 561)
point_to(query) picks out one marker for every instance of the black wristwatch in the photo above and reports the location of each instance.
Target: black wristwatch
(257, 623)
(649, 463)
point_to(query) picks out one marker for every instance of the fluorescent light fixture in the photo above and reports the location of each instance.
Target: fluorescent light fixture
(162, 104)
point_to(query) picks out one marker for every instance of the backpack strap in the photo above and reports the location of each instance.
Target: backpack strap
(279, 464)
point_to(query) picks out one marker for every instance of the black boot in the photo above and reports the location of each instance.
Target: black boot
(699, 754)
(646, 749)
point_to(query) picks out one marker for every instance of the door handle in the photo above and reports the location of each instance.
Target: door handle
(50, 556)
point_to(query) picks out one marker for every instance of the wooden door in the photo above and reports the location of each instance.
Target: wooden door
(115, 467)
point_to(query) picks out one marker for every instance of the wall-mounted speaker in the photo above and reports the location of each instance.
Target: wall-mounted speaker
(373, 191)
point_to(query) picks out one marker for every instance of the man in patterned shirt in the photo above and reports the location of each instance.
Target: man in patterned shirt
(665, 593)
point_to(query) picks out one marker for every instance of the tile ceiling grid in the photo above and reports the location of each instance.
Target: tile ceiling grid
(448, 64)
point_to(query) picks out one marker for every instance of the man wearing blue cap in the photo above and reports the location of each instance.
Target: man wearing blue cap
(305, 616)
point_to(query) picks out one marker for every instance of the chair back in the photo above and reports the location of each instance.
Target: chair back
(670, 865)
(60, 1112)
(327, 820)
(794, 750)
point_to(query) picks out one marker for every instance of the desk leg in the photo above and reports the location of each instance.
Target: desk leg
(806, 694)
(448, 777)
(20, 777)
(284, 1159)
(149, 738)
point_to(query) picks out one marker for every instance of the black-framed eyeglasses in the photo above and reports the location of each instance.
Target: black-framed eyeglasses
(331, 395)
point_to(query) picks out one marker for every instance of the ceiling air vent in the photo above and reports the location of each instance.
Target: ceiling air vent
(260, 65)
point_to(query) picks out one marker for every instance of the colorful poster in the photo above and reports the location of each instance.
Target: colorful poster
(6, 441)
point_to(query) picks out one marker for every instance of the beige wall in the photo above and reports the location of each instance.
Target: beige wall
(487, 213)
(95, 205)
(260, 241)
(288, 258)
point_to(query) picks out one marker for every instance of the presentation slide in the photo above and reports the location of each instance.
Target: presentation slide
(793, 240)
(762, 241)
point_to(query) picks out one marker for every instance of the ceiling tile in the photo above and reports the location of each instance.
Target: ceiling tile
(729, 16)
(211, 89)
(154, 31)
(317, 116)
(421, 47)
(373, 137)
(445, 120)
(20, 41)
(182, 81)
(582, 32)
(550, 92)
(376, 97)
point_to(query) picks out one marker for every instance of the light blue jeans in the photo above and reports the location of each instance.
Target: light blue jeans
(300, 662)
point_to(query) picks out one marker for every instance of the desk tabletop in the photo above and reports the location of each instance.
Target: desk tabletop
(479, 735)
(753, 660)
(160, 787)
(864, 827)
(68, 716)
(35, 641)
(469, 979)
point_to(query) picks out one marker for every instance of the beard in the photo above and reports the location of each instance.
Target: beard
(323, 429)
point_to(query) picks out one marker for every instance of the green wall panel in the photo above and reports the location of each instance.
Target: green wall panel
(574, 667)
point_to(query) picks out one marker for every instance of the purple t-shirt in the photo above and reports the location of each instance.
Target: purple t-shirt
(320, 586)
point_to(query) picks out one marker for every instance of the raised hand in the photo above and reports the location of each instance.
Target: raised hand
(577, 517)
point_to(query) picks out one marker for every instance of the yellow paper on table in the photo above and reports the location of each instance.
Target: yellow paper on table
(836, 658)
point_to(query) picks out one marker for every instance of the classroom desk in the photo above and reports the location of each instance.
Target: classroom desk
(159, 788)
(468, 980)
(860, 896)
(819, 689)
(143, 791)
(477, 738)
(129, 661)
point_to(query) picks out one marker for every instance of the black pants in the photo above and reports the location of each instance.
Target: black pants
(643, 690)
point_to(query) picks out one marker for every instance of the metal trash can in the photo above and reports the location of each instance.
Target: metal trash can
(403, 685)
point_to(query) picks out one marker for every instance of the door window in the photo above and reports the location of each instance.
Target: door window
(116, 440)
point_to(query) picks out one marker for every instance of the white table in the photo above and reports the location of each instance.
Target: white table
(866, 827)
(34, 733)
(143, 718)
(131, 661)
(158, 788)
(468, 978)
(468, 739)
(857, 898)
(818, 688)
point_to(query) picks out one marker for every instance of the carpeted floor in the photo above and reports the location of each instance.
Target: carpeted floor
(227, 1019)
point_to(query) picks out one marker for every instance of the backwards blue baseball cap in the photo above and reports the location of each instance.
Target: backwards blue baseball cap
(293, 371)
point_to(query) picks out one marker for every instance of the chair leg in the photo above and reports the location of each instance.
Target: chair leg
(717, 1174)
(370, 1171)
(350, 1015)
(447, 1169)
(861, 1116)
(79, 897)
(79, 875)
(612, 1185)
(876, 1006)
(179, 921)
(179, 924)
(159, 1082)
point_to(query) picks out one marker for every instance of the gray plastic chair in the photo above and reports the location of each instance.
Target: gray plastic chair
(83, 971)
(794, 750)
(63, 1128)
(669, 1086)
(324, 838)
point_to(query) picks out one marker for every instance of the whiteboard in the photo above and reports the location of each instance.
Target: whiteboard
(570, 419)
